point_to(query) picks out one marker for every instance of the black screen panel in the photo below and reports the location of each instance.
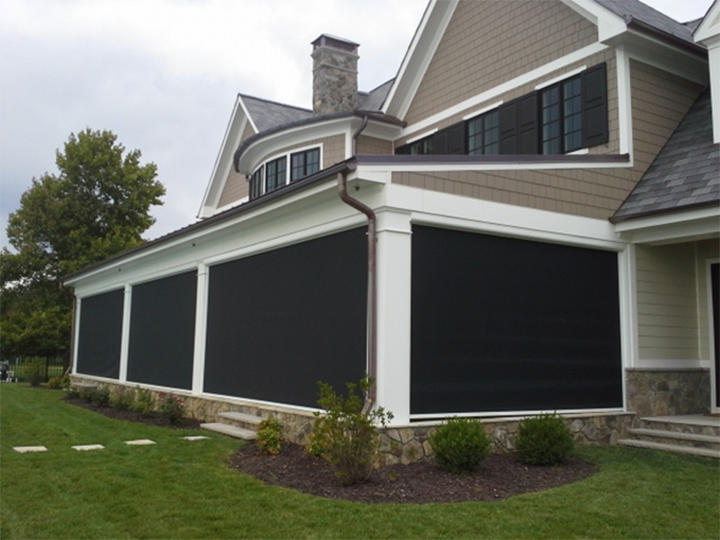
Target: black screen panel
(162, 331)
(100, 335)
(280, 321)
(500, 324)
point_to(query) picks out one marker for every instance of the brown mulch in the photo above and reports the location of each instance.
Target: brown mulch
(500, 476)
(152, 419)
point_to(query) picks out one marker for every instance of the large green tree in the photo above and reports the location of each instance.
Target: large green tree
(96, 207)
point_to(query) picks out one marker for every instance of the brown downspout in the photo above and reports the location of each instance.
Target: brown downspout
(372, 267)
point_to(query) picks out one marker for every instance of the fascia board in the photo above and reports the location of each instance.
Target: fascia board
(710, 25)
(608, 23)
(673, 227)
(223, 162)
(420, 53)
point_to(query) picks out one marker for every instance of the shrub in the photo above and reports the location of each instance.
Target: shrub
(73, 392)
(460, 445)
(269, 436)
(171, 408)
(122, 399)
(144, 402)
(543, 440)
(34, 371)
(346, 435)
(59, 382)
(99, 396)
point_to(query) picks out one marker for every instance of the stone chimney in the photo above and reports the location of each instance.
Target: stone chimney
(335, 86)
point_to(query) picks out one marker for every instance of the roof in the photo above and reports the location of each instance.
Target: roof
(373, 100)
(686, 172)
(634, 10)
(267, 114)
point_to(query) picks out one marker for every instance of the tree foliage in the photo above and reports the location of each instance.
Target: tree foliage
(96, 207)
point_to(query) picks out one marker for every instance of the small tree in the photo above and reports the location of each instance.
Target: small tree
(345, 435)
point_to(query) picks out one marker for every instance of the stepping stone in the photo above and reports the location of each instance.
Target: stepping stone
(140, 442)
(85, 447)
(195, 437)
(26, 449)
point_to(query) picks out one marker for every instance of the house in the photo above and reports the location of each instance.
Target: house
(525, 219)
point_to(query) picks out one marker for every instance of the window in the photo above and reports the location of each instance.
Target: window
(484, 134)
(562, 114)
(256, 183)
(304, 163)
(275, 176)
(557, 119)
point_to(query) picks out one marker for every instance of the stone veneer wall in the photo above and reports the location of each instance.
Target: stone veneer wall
(667, 392)
(402, 444)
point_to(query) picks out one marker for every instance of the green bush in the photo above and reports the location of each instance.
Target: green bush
(122, 399)
(73, 392)
(345, 435)
(543, 440)
(269, 436)
(460, 445)
(171, 408)
(99, 396)
(34, 371)
(59, 382)
(144, 402)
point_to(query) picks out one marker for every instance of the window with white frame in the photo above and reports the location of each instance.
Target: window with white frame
(280, 171)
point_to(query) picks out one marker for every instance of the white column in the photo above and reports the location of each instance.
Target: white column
(393, 273)
(125, 344)
(198, 380)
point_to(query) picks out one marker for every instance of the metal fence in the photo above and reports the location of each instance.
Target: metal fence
(55, 366)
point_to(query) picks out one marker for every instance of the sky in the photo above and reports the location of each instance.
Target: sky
(163, 76)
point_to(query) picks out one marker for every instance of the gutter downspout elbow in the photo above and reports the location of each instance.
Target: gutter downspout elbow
(372, 273)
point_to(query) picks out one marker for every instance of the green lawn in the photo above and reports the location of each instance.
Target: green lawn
(183, 489)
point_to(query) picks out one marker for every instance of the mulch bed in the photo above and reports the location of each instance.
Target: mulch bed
(152, 419)
(500, 475)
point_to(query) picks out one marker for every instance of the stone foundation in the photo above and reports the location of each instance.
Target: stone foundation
(407, 444)
(667, 392)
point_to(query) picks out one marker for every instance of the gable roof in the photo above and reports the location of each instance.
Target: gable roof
(266, 114)
(686, 172)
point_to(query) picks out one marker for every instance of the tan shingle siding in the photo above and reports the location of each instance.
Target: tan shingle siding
(372, 146)
(667, 302)
(490, 42)
(236, 188)
(247, 132)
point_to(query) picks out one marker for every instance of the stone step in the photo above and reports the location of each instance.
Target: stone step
(704, 452)
(248, 421)
(700, 425)
(710, 442)
(232, 431)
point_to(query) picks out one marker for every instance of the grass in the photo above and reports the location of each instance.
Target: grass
(183, 489)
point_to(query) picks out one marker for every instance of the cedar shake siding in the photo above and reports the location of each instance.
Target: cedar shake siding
(236, 189)
(488, 43)
(369, 146)
(667, 304)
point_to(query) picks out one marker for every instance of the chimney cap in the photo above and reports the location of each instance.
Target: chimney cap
(328, 40)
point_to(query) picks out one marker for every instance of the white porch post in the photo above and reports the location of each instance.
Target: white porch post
(125, 343)
(393, 273)
(198, 380)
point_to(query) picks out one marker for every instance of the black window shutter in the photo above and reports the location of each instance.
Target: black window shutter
(403, 150)
(456, 138)
(440, 142)
(527, 124)
(508, 127)
(595, 115)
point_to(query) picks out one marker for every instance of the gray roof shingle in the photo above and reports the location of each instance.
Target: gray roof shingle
(686, 172)
(631, 10)
(269, 114)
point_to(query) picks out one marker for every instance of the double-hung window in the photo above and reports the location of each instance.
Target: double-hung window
(275, 174)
